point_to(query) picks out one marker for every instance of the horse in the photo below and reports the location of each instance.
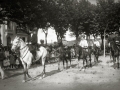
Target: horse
(83, 54)
(96, 51)
(68, 55)
(72, 52)
(63, 54)
(114, 51)
(26, 56)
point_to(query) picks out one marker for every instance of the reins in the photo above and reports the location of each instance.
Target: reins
(26, 52)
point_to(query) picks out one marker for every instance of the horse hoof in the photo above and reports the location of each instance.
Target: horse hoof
(40, 78)
(80, 69)
(83, 69)
(43, 75)
(23, 81)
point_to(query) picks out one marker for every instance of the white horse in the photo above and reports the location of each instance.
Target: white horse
(26, 56)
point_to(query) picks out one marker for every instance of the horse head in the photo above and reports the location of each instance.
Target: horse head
(15, 43)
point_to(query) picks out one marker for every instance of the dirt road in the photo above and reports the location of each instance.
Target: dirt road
(101, 76)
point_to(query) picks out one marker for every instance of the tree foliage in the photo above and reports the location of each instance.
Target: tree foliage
(77, 15)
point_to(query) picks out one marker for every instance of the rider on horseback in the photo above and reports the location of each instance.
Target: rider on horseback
(42, 43)
(83, 43)
(34, 42)
(97, 43)
(117, 40)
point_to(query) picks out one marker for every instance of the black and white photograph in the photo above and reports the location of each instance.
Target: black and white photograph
(59, 44)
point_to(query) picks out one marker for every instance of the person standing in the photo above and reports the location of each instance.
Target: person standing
(2, 58)
(12, 61)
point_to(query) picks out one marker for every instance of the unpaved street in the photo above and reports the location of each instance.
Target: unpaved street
(101, 76)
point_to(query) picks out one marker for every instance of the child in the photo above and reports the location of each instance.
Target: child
(12, 61)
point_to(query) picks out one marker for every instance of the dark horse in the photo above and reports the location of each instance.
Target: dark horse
(64, 55)
(96, 51)
(83, 54)
(114, 51)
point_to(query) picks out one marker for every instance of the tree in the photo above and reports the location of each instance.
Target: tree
(106, 18)
(59, 17)
(27, 13)
(80, 16)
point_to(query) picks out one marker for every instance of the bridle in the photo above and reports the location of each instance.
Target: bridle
(22, 48)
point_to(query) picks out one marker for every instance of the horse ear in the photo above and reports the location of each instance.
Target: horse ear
(17, 37)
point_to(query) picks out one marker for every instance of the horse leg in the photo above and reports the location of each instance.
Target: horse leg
(78, 61)
(43, 68)
(86, 62)
(28, 66)
(43, 64)
(90, 61)
(58, 63)
(118, 62)
(114, 61)
(66, 63)
(24, 71)
(2, 72)
(83, 63)
(96, 58)
(70, 62)
(63, 63)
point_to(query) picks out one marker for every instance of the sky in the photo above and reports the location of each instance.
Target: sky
(94, 1)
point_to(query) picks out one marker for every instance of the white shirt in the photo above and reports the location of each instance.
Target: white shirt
(97, 43)
(83, 43)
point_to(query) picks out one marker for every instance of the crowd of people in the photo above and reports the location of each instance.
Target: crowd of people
(11, 60)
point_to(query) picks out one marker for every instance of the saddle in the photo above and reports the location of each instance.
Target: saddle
(33, 49)
(85, 49)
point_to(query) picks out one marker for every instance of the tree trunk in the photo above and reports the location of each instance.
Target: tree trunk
(77, 38)
(102, 38)
(46, 38)
(104, 43)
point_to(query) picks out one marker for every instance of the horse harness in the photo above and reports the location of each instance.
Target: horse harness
(25, 50)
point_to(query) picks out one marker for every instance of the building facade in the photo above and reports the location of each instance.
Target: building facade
(8, 30)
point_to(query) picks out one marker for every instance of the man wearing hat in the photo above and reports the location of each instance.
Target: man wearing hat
(33, 42)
